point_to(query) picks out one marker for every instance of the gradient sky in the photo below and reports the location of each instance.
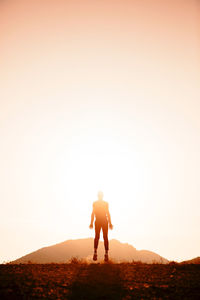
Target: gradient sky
(100, 95)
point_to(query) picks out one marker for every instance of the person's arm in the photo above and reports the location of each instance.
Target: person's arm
(109, 218)
(92, 218)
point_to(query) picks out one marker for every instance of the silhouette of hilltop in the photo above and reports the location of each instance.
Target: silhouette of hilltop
(83, 249)
(195, 261)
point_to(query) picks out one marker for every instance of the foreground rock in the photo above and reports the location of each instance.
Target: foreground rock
(99, 281)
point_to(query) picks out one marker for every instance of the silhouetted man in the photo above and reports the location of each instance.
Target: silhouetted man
(103, 220)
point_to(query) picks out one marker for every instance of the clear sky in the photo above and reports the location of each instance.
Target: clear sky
(100, 95)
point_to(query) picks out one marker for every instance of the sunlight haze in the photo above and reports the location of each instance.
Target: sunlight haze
(100, 95)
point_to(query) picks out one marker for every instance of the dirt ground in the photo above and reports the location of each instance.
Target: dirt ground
(99, 281)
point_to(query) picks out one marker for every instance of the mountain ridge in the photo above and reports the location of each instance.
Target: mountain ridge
(83, 249)
(195, 261)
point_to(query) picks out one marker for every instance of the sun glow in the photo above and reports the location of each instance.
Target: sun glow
(100, 95)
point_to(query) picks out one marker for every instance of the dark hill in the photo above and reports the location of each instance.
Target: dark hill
(195, 261)
(83, 249)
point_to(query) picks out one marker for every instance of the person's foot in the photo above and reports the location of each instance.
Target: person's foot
(95, 256)
(106, 257)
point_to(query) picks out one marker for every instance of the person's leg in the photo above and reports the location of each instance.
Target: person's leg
(96, 240)
(105, 237)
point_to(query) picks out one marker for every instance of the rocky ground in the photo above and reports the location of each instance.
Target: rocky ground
(99, 281)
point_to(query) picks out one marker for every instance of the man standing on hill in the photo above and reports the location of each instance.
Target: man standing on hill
(103, 220)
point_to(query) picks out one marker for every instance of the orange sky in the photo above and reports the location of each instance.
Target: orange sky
(100, 95)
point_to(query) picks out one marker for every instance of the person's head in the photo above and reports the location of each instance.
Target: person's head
(100, 195)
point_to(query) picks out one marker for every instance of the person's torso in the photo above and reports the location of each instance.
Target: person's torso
(100, 208)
